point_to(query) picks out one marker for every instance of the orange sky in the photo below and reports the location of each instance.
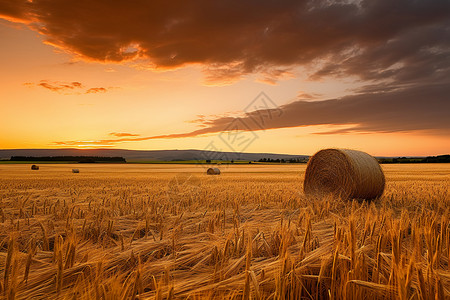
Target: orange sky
(88, 82)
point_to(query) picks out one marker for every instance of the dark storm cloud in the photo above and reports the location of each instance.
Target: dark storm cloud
(13, 10)
(232, 38)
(416, 57)
(400, 50)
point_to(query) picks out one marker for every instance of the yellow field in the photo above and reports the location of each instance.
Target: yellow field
(170, 231)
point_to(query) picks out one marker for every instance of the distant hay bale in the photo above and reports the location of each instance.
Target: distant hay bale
(344, 173)
(75, 171)
(34, 167)
(213, 171)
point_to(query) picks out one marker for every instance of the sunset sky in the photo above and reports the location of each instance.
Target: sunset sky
(256, 76)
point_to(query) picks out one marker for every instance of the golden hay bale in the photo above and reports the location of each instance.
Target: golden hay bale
(344, 173)
(213, 171)
(34, 167)
(75, 171)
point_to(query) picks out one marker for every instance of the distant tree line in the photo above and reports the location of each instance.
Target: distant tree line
(290, 160)
(79, 159)
(397, 160)
(412, 160)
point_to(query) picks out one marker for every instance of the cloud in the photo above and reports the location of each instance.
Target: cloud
(303, 95)
(400, 110)
(96, 90)
(423, 108)
(122, 134)
(131, 139)
(374, 39)
(274, 75)
(399, 50)
(57, 86)
(67, 88)
(417, 57)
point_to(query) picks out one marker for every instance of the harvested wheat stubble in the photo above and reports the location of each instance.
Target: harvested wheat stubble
(213, 171)
(249, 235)
(349, 174)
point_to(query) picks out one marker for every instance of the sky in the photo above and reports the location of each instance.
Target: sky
(287, 76)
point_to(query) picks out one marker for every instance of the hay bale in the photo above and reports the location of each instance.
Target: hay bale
(34, 167)
(213, 171)
(344, 173)
(75, 171)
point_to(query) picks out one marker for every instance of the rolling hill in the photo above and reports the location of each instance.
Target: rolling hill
(147, 155)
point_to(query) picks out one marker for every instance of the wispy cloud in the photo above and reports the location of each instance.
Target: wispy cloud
(123, 134)
(130, 139)
(423, 108)
(96, 90)
(68, 88)
(309, 96)
(58, 86)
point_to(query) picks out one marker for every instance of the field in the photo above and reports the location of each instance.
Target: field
(172, 232)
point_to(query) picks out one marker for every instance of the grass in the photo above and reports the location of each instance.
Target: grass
(172, 232)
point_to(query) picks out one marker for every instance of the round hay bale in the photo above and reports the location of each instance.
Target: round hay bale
(344, 173)
(34, 167)
(213, 171)
(75, 171)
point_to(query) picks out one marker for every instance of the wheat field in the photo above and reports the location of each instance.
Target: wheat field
(172, 232)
